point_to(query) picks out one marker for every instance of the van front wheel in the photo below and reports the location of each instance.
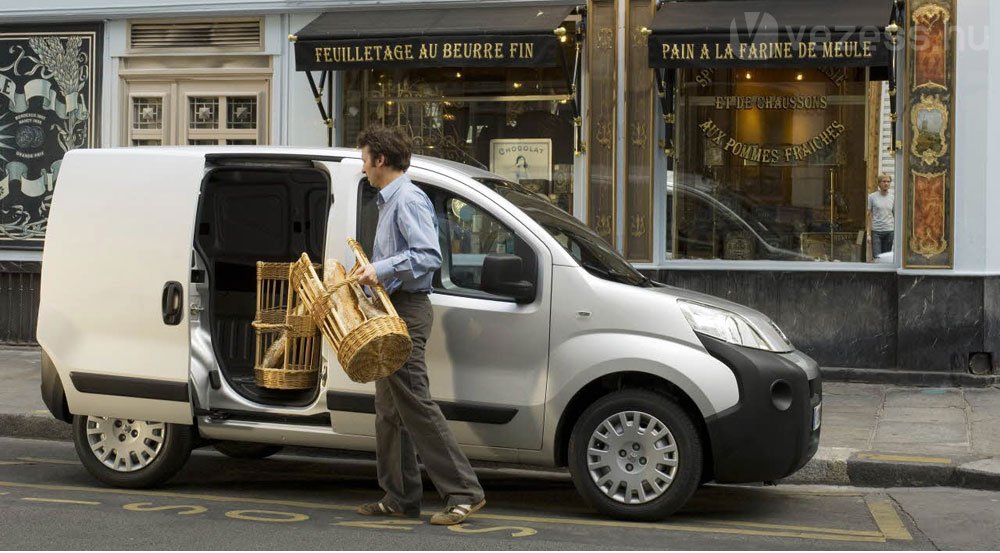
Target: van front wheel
(129, 453)
(635, 455)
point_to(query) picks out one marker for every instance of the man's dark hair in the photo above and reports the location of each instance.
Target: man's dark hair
(391, 143)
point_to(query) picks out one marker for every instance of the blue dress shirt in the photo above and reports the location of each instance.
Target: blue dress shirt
(406, 251)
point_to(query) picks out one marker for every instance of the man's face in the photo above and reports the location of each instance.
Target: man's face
(374, 169)
(883, 185)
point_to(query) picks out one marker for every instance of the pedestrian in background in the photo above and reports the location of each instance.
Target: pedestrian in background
(881, 220)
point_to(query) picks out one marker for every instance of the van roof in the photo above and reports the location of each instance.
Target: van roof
(421, 161)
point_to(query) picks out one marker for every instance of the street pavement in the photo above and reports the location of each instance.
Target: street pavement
(289, 502)
(873, 435)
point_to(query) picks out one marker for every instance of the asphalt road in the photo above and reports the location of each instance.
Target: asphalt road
(48, 501)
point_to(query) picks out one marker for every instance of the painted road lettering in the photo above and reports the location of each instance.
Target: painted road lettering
(516, 531)
(181, 509)
(382, 524)
(258, 515)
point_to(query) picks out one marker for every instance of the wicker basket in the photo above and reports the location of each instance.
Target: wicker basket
(368, 351)
(287, 345)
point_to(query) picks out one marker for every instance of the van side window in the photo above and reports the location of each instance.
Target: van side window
(467, 233)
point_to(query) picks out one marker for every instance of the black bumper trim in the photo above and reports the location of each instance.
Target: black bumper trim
(454, 411)
(756, 441)
(125, 386)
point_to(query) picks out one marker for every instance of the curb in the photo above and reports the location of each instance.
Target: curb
(831, 466)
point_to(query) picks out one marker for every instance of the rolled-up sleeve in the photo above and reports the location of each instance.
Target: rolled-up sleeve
(421, 254)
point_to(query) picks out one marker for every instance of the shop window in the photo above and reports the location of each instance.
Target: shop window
(772, 165)
(516, 122)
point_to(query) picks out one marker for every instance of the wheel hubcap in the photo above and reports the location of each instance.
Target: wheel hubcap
(124, 445)
(632, 457)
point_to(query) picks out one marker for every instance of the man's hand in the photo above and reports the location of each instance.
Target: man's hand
(366, 275)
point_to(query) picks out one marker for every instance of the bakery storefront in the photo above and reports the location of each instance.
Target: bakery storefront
(492, 86)
(770, 118)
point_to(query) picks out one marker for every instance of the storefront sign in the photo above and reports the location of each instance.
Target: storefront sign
(47, 90)
(416, 52)
(771, 102)
(522, 160)
(854, 49)
(760, 154)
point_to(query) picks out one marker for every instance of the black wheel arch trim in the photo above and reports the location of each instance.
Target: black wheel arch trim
(127, 386)
(53, 393)
(465, 411)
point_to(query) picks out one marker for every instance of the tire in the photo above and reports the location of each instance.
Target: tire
(246, 450)
(646, 495)
(155, 451)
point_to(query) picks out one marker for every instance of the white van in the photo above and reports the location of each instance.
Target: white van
(548, 348)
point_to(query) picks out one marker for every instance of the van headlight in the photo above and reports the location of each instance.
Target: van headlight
(733, 328)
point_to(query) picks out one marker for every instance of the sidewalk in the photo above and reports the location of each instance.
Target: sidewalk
(874, 435)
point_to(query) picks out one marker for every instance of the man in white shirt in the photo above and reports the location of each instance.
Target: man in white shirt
(881, 221)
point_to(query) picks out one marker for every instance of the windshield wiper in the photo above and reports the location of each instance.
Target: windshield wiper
(609, 274)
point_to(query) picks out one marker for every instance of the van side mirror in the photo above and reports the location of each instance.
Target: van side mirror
(502, 276)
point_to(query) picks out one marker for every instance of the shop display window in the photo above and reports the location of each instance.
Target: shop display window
(516, 122)
(772, 164)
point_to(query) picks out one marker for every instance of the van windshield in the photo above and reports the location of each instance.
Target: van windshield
(591, 251)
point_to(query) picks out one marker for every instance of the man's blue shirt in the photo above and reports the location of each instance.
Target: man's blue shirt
(406, 251)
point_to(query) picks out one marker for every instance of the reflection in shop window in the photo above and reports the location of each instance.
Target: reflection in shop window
(517, 122)
(772, 164)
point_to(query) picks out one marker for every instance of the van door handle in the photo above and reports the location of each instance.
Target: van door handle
(173, 296)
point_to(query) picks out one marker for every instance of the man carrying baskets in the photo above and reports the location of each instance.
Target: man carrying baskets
(407, 421)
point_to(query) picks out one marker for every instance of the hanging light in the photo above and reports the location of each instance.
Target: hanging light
(748, 75)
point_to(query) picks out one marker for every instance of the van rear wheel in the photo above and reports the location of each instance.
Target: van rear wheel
(635, 455)
(130, 453)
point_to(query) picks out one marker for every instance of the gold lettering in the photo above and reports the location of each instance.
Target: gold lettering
(477, 51)
(704, 52)
(529, 50)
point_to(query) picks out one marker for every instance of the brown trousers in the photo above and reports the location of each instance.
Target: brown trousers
(408, 423)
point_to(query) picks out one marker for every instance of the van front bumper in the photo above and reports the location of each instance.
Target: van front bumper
(774, 429)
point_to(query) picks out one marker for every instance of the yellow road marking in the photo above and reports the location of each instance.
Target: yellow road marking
(70, 501)
(873, 533)
(181, 509)
(521, 531)
(905, 458)
(382, 524)
(50, 461)
(266, 516)
(857, 536)
(888, 520)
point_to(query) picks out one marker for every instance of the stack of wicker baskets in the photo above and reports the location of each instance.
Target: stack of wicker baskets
(287, 344)
(371, 340)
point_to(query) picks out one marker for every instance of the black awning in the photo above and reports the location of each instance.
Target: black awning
(492, 35)
(771, 33)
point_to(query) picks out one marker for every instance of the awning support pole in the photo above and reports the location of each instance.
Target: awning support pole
(572, 80)
(893, 30)
(324, 112)
(665, 82)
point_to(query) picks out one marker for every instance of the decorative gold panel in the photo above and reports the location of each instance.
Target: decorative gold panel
(639, 106)
(602, 54)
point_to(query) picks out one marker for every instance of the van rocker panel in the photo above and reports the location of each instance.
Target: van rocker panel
(453, 411)
(757, 441)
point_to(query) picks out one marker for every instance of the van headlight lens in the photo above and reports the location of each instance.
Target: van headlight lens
(724, 325)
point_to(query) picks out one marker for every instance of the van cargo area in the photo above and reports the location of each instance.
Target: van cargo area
(250, 213)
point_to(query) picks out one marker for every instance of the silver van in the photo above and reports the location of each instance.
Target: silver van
(548, 348)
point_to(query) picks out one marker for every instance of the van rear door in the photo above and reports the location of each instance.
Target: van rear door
(113, 315)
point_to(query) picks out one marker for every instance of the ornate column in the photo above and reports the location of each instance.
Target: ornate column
(928, 138)
(602, 57)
